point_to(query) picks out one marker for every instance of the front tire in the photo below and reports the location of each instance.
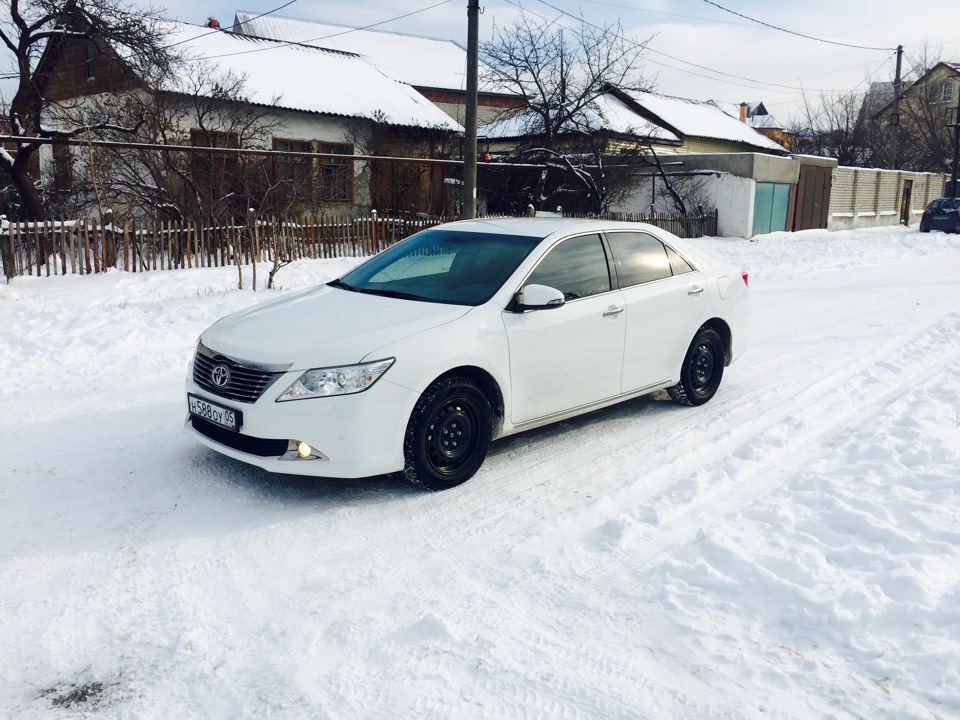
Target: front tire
(702, 369)
(448, 434)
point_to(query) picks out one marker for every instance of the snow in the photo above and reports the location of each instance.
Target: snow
(789, 550)
(420, 61)
(701, 119)
(605, 112)
(306, 79)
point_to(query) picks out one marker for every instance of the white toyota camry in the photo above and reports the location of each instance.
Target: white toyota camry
(416, 360)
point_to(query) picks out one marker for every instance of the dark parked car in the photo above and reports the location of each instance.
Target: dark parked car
(941, 214)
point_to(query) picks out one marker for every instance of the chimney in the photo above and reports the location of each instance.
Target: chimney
(212, 22)
(743, 112)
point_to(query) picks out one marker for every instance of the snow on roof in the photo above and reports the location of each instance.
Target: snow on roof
(307, 79)
(604, 112)
(701, 119)
(754, 119)
(764, 121)
(420, 61)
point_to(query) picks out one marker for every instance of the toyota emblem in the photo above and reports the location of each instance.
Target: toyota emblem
(220, 375)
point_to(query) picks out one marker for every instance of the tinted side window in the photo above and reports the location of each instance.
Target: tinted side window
(677, 263)
(640, 258)
(576, 267)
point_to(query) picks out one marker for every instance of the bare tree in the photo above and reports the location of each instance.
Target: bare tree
(561, 71)
(33, 28)
(410, 187)
(834, 125)
(925, 142)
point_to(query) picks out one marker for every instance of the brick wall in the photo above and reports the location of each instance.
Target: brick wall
(867, 197)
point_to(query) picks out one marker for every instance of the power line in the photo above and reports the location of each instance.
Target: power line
(659, 52)
(214, 30)
(325, 37)
(791, 32)
(766, 86)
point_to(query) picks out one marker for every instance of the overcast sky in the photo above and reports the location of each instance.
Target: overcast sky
(772, 66)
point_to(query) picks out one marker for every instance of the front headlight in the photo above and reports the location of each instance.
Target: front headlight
(327, 382)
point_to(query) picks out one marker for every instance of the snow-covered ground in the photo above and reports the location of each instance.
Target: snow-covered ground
(789, 550)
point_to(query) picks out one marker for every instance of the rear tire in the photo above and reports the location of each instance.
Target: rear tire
(702, 369)
(448, 434)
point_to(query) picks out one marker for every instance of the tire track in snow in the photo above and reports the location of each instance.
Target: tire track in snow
(783, 438)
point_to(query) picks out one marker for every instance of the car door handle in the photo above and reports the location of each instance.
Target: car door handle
(613, 312)
(695, 290)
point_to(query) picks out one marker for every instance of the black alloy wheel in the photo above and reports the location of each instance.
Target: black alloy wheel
(448, 434)
(702, 369)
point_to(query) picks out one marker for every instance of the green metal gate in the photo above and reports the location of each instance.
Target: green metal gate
(771, 203)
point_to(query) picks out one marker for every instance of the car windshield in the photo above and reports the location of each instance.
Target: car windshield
(440, 265)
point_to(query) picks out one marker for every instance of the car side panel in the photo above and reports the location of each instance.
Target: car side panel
(661, 317)
(565, 357)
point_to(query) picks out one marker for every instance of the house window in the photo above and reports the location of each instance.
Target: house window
(336, 173)
(62, 167)
(88, 61)
(291, 169)
(947, 93)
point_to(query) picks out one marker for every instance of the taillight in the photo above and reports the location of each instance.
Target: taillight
(746, 278)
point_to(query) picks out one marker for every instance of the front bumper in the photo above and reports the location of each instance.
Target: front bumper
(358, 435)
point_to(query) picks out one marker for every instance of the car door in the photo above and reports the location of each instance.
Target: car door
(570, 356)
(665, 300)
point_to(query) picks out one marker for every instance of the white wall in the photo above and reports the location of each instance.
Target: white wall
(734, 199)
(732, 196)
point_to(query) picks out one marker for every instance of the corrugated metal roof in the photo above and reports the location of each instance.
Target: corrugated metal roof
(420, 61)
(309, 79)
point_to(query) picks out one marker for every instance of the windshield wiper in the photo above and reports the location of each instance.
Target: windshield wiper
(338, 283)
(393, 294)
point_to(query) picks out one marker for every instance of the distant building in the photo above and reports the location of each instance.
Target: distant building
(927, 108)
(755, 115)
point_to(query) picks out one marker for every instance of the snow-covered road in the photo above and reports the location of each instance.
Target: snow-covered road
(789, 550)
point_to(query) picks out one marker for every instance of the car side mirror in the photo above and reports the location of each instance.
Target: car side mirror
(538, 297)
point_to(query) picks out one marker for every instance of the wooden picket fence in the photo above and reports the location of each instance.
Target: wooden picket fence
(83, 247)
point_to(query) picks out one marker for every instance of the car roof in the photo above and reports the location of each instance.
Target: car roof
(543, 227)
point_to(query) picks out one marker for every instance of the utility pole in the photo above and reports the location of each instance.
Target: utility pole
(956, 149)
(469, 198)
(895, 118)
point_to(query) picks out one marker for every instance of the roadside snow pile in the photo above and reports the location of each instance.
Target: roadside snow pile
(789, 550)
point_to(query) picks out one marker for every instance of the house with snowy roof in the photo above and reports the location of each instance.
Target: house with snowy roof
(756, 115)
(235, 90)
(701, 126)
(435, 67)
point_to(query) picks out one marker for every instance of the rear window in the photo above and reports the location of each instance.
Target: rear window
(945, 204)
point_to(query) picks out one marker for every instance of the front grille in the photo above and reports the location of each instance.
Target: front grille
(244, 443)
(246, 384)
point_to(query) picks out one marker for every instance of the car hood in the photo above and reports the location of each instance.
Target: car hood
(323, 327)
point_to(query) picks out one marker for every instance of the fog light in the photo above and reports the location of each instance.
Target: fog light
(304, 450)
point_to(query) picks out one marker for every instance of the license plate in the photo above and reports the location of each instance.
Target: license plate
(218, 414)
